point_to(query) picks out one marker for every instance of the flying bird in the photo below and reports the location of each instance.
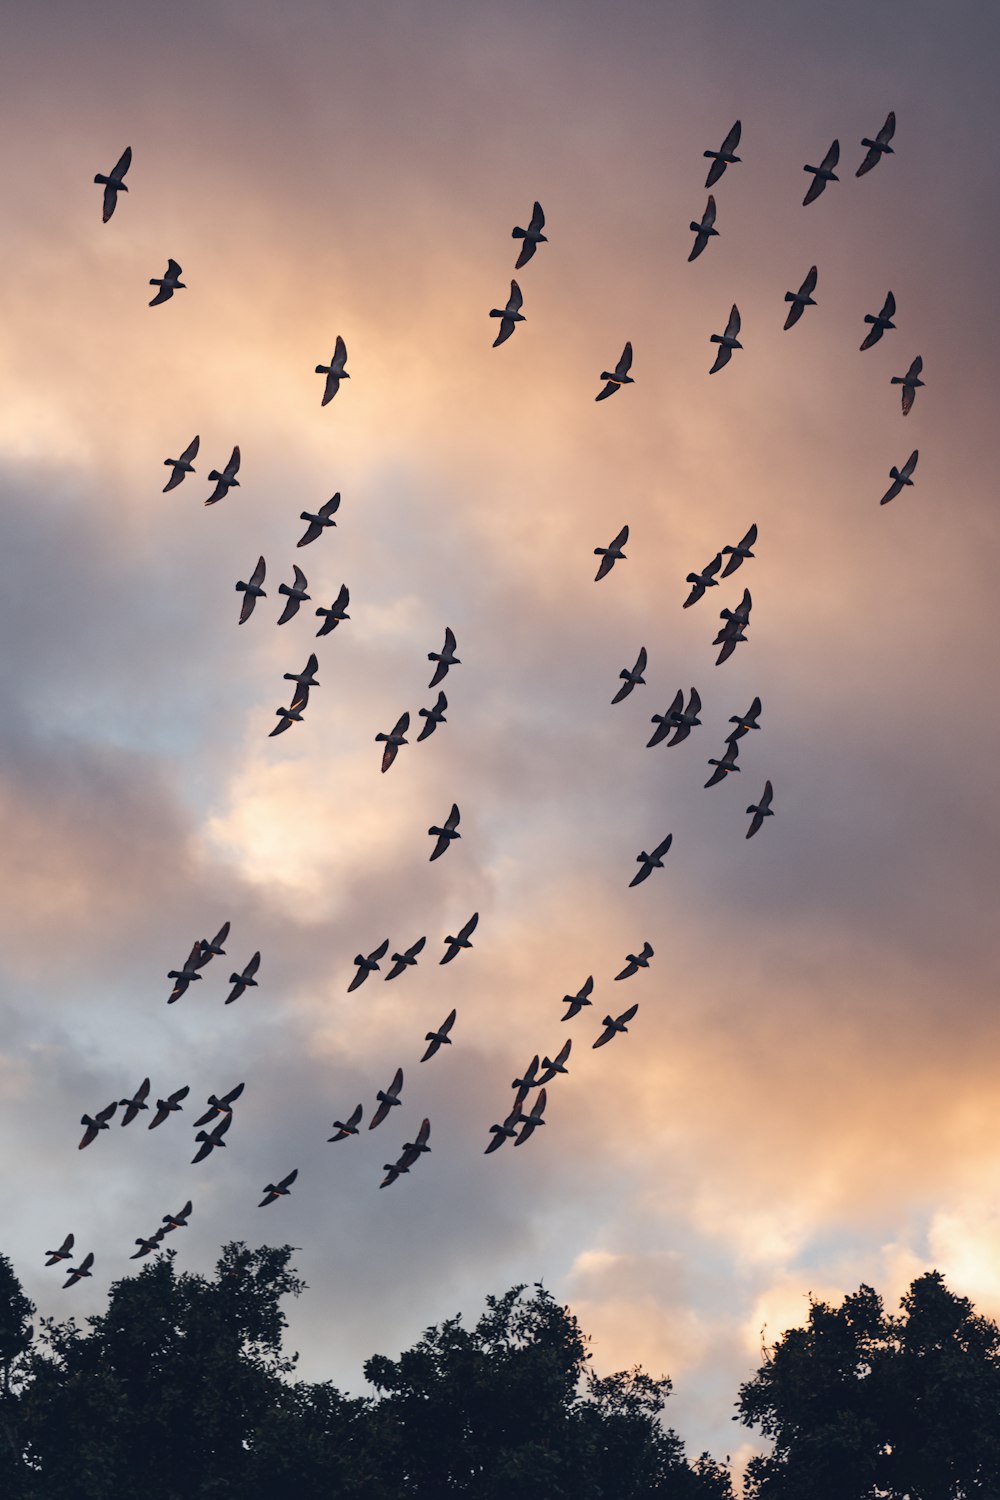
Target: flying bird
(319, 521)
(704, 580)
(445, 835)
(169, 1106)
(666, 722)
(633, 678)
(440, 1037)
(557, 1064)
(65, 1252)
(529, 1123)
(334, 371)
(508, 1130)
(761, 810)
(801, 299)
(241, 982)
(434, 717)
(97, 1124)
(532, 237)
(635, 962)
(113, 184)
(336, 612)
(367, 965)
(195, 960)
(822, 174)
(724, 157)
(393, 740)
(179, 1220)
(393, 1171)
(211, 1139)
(613, 1026)
(611, 554)
(296, 592)
(252, 590)
(703, 231)
(135, 1104)
(78, 1272)
(413, 1150)
(304, 680)
(169, 283)
(727, 341)
(725, 765)
(686, 719)
(387, 1100)
(223, 1106)
(651, 862)
(347, 1127)
(900, 477)
(454, 944)
(288, 717)
(445, 658)
(909, 382)
(529, 1080)
(747, 722)
(406, 959)
(733, 632)
(275, 1190)
(225, 481)
(215, 948)
(145, 1246)
(879, 321)
(509, 315)
(879, 147)
(580, 999)
(181, 466)
(740, 553)
(620, 377)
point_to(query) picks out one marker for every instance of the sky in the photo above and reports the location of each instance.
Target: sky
(806, 1098)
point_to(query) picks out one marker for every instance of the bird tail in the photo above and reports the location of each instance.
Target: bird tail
(214, 475)
(102, 179)
(515, 234)
(789, 297)
(496, 313)
(897, 380)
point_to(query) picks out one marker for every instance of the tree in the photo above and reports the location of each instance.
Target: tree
(16, 1335)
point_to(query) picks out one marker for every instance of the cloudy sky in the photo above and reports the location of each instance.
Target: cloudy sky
(807, 1097)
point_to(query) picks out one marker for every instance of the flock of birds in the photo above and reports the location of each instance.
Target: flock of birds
(672, 726)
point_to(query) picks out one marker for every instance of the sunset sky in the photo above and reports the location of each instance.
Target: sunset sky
(808, 1097)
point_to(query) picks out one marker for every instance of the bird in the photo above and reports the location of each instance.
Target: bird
(732, 633)
(195, 960)
(651, 862)
(241, 982)
(620, 376)
(686, 719)
(318, 521)
(288, 717)
(529, 1079)
(135, 1104)
(761, 810)
(879, 321)
(613, 1026)
(210, 1139)
(454, 944)
(223, 1106)
(113, 184)
(393, 740)
(275, 1190)
(747, 721)
(611, 554)
(78, 1272)
(347, 1127)
(252, 590)
(413, 1150)
(445, 658)
(65, 1252)
(508, 1130)
(910, 381)
(304, 680)
(704, 230)
(508, 315)
(393, 1170)
(666, 722)
(215, 948)
(801, 299)
(387, 1100)
(633, 678)
(336, 612)
(740, 553)
(727, 341)
(822, 174)
(334, 371)
(145, 1246)
(900, 477)
(296, 592)
(724, 157)
(97, 1124)
(557, 1064)
(704, 580)
(367, 965)
(530, 1122)
(434, 717)
(179, 1220)
(635, 962)
(181, 466)
(406, 959)
(580, 999)
(879, 147)
(225, 481)
(169, 283)
(439, 1037)
(725, 765)
(445, 835)
(532, 237)
(169, 1106)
